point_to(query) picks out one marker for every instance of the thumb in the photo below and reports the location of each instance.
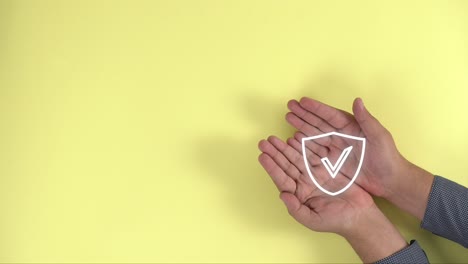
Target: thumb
(297, 210)
(290, 200)
(369, 124)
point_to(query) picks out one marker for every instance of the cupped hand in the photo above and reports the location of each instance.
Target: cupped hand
(307, 204)
(382, 160)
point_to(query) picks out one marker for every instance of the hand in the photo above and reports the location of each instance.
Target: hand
(308, 205)
(385, 172)
(352, 214)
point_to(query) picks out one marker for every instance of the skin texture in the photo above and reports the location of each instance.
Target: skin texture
(385, 172)
(310, 206)
(353, 213)
(312, 117)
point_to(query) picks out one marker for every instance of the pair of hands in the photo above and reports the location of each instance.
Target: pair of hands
(380, 175)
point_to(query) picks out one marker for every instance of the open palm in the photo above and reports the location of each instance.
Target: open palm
(382, 159)
(307, 204)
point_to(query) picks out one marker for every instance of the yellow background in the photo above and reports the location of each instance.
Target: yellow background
(129, 129)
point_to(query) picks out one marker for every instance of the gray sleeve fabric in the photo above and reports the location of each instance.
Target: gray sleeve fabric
(446, 216)
(447, 211)
(410, 254)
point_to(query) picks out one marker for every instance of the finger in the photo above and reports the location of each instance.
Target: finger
(302, 125)
(369, 124)
(299, 211)
(309, 117)
(335, 117)
(294, 144)
(291, 154)
(311, 157)
(332, 153)
(304, 189)
(283, 182)
(298, 161)
(318, 146)
(279, 158)
(314, 153)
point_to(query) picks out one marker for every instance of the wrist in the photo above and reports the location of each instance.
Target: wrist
(374, 237)
(394, 183)
(409, 189)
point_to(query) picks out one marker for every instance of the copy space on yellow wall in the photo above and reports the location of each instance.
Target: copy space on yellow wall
(129, 129)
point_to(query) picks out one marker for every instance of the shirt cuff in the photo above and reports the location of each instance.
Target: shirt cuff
(410, 254)
(447, 211)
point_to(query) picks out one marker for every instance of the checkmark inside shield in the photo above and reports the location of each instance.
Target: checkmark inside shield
(328, 160)
(334, 169)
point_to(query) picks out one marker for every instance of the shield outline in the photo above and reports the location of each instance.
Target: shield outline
(340, 135)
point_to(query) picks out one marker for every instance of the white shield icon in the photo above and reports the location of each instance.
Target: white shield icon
(350, 143)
